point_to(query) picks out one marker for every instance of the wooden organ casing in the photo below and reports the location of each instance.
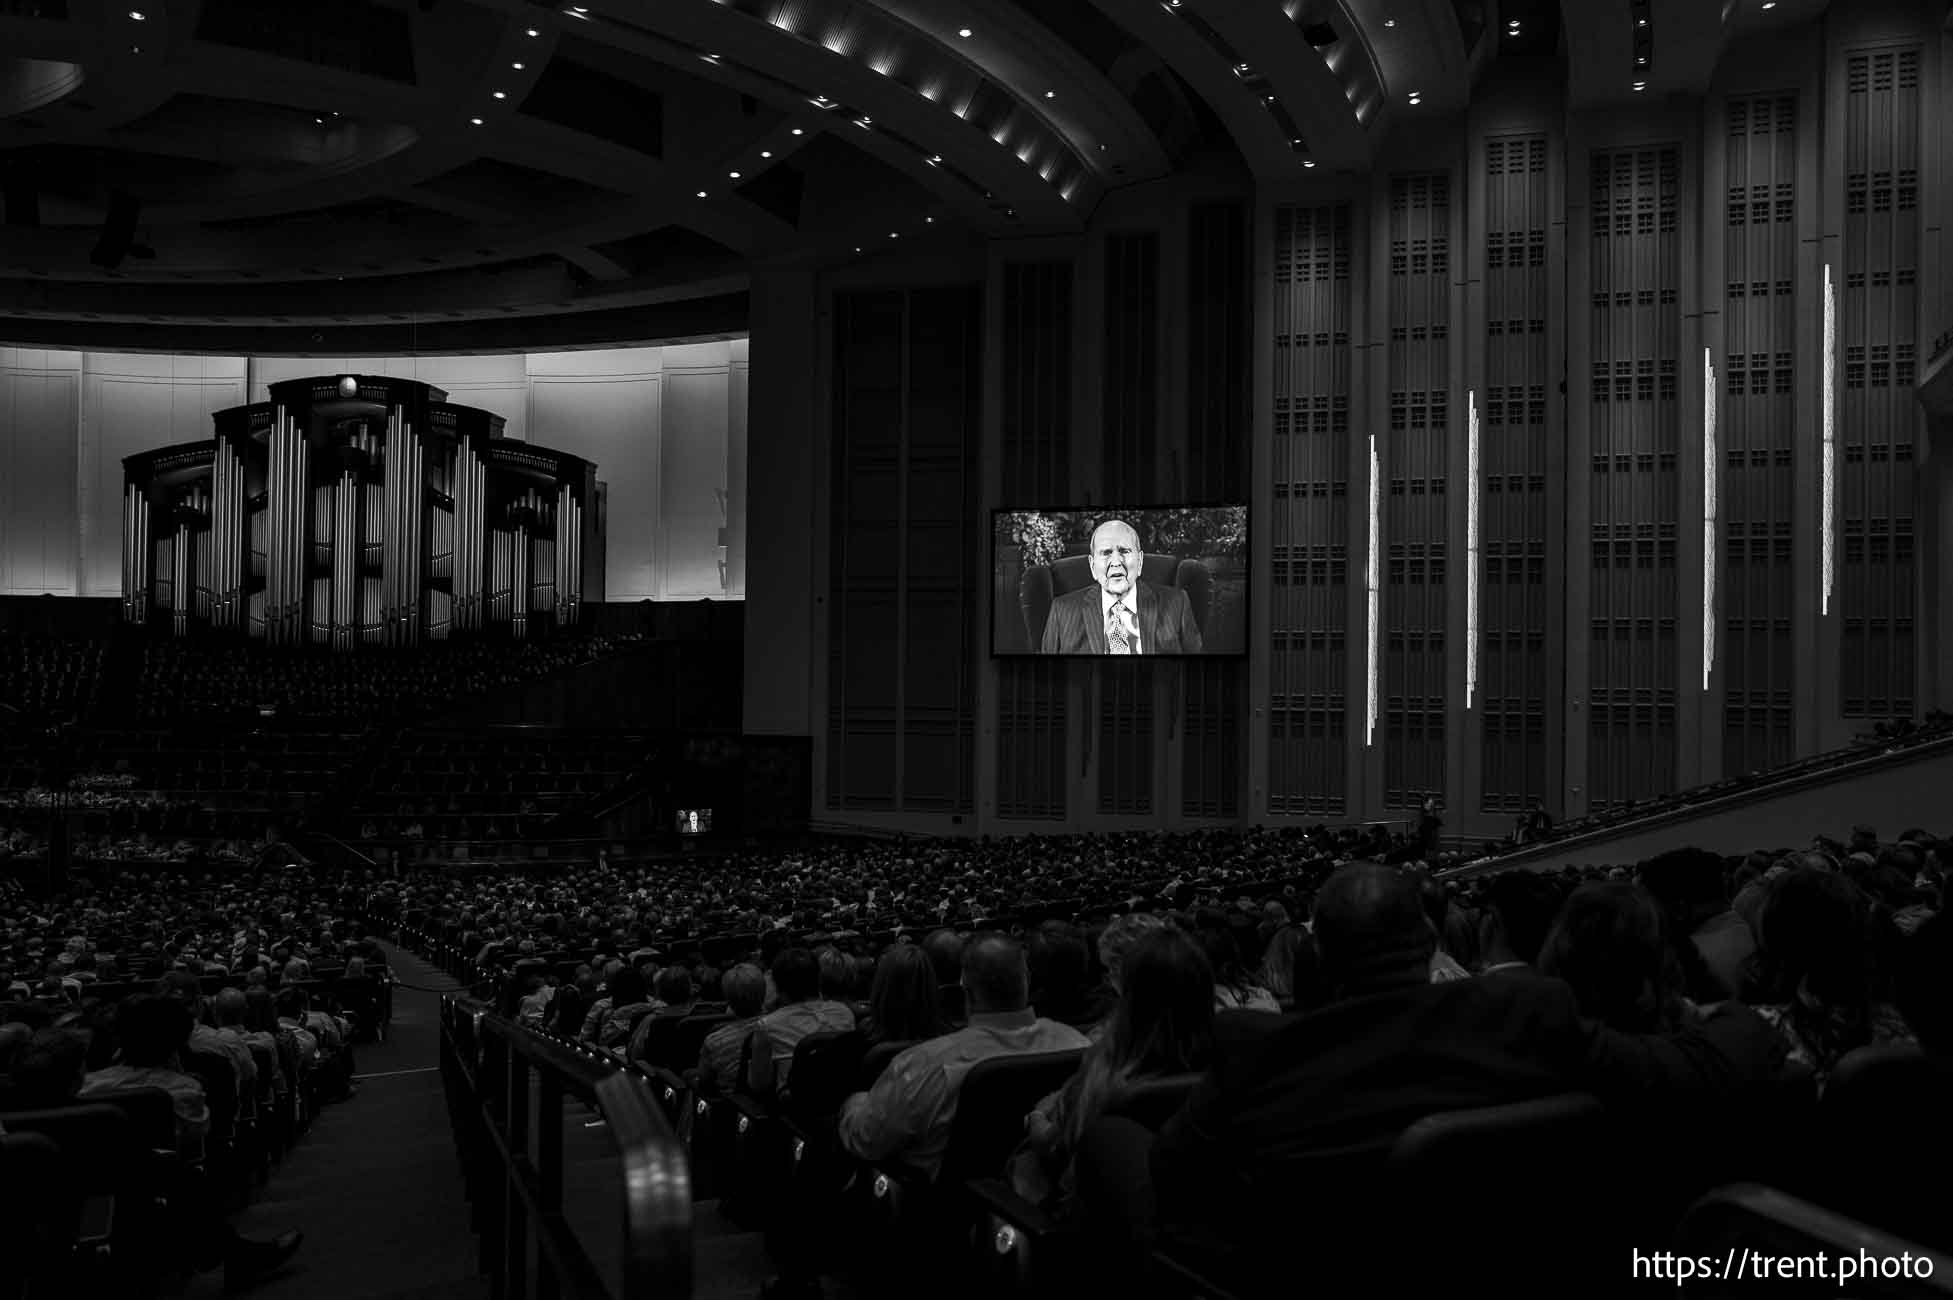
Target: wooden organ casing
(359, 510)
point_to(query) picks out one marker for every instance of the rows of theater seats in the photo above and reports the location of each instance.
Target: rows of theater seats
(50, 676)
(1558, 1179)
(97, 1192)
(183, 681)
(221, 767)
(458, 787)
(165, 681)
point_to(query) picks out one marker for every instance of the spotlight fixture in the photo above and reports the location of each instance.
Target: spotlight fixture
(516, 66)
(929, 221)
(475, 120)
(766, 153)
(137, 15)
(1642, 61)
(1240, 69)
(1640, 85)
(964, 32)
(500, 95)
(1641, 22)
(534, 32)
(798, 131)
(733, 175)
(857, 248)
(319, 120)
(1416, 98)
(893, 235)
(935, 160)
(1390, 22)
(1308, 162)
(701, 193)
(1050, 94)
(1769, 5)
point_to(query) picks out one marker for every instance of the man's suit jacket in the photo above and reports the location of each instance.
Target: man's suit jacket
(1164, 616)
(1294, 1127)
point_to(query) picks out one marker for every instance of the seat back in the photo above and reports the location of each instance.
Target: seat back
(1543, 1164)
(990, 1107)
(98, 1142)
(1152, 1102)
(1882, 1121)
(824, 1069)
(1748, 1217)
(876, 1059)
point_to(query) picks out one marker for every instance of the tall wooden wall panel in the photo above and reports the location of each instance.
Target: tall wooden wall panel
(1634, 489)
(1308, 586)
(1219, 412)
(1757, 430)
(1414, 462)
(1877, 336)
(1035, 453)
(1516, 427)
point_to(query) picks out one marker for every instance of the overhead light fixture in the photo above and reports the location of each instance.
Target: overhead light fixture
(798, 131)
(1390, 22)
(1770, 4)
(734, 175)
(893, 235)
(857, 248)
(475, 120)
(1640, 85)
(1308, 162)
(964, 32)
(1416, 98)
(1642, 61)
(500, 95)
(701, 193)
(1050, 94)
(516, 66)
(766, 153)
(1240, 69)
(929, 221)
(137, 15)
(1641, 22)
(534, 32)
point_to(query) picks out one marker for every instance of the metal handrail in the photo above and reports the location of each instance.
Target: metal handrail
(488, 1061)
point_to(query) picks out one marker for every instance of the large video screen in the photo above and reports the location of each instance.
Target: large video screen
(1169, 581)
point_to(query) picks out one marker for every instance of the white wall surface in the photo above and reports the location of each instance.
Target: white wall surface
(665, 426)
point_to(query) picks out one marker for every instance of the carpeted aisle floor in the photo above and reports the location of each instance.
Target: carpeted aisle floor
(376, 1184)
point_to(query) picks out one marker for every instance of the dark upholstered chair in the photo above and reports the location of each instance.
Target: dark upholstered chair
(1044, 583)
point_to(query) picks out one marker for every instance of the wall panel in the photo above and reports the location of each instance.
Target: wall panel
(1416, 522)
(1309, 523)
(1515, 434)
(693, 489)
(1877, 416)
(614, 421)
(40, 410)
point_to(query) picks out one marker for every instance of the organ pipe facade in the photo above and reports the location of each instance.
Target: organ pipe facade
(358, 510)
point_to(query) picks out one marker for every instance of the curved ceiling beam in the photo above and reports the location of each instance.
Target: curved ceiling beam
(1268, 151)
(1297, 74)
(1684, 41)
(903, 128)
(1013, 48)
(1423, 51)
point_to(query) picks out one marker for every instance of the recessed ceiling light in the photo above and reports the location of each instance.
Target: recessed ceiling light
(319, 120)
(534, 32)
(1771, 5)
(935, 157)
(893, 235)
(1640, 85)
(500, 95)
(964, 32)
(701, 193)
(137, 15)
(1642, 61)
(1390, 22)
(135, 49)
(766, 153)
(1050, 94)
(857, 248)
(1308, 162)
(798, 131)
(734, 175)
(475, 120)
(929, 221)
(1641, 22)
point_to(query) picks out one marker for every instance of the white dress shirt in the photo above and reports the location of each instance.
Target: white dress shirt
(1129, 615)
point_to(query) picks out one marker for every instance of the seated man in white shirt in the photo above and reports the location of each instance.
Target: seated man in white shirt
(906, 1116)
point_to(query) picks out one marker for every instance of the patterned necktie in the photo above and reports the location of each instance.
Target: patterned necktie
(1115, 630)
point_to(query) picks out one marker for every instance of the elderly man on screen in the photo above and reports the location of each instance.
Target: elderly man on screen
(1118, 614)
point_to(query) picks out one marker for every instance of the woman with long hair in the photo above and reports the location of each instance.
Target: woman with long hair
(903, 1003)
(1611, 944)
(1818, 981)
(1163, 1025)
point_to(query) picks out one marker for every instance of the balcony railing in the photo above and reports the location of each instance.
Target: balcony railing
(507, 1090)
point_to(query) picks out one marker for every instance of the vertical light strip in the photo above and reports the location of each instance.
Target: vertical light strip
(1711, 513)
(1370, 571)
(1472, 532)
(1828, 514)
